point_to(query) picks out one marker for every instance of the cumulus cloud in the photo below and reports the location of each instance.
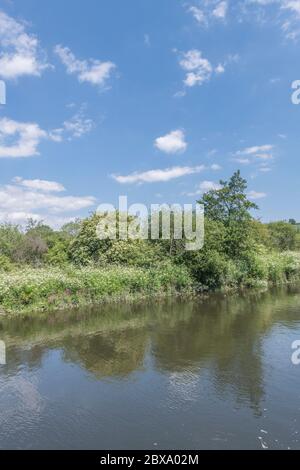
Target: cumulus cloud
(154, 176)
(37, 199)
(22, 139)
(204, 187)
(198, 69)
(256, 195)
(216, 167)
(78, 125)
(282, 13)
(255, 150)
(20, 51)
(264, 156)
(243, 161)
(198, 14)
(75, 127)
(208, 12)
(265, 169)
(258, 154)
(174, 142)
(220, 10)
(19, 139)
(91, 71)
(167, 174)
(220, 69)
(40, 185)
(285, 13)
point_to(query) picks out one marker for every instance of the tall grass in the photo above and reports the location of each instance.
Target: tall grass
(38, 289)
(29, 289)
(263, 268)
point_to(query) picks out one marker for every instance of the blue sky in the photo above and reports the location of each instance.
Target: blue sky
(156, 99)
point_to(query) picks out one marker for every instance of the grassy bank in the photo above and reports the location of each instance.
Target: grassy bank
(262, 269)
(32, 289)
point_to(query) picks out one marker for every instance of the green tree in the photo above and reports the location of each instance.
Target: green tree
(71, 229)
(86, 247)
(283, 235)
(11, 239)
(230, 206)
(229, 203)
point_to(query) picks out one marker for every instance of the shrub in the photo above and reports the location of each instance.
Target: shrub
(5, 263)
(283, 235)
(37, 289)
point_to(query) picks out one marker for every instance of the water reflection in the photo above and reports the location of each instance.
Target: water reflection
(216, 343)
(112, 341)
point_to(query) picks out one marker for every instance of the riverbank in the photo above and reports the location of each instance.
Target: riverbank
(29, 290)
(40, 289)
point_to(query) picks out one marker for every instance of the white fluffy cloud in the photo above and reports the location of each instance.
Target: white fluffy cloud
(174, 142)
(37, 199)
(20, 52)
(75, 127)
(261, 156)
(198, 68)
(285, 13)
(207, 12)
(22, 139)
(154, 176)
(91, 71)
(258, 154)
(282, 13)
(40, 185)
(19, 139)
(198, 14)
(220, 69)
(256, 195)
(220, 10)
(167, 174)
(216, 167)
(204, 187)
(78, 125)
(256, 149)
(243, 161)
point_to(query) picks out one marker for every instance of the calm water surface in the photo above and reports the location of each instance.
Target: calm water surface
(209, 374)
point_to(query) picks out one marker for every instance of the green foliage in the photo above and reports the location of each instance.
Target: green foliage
(229, 203)
(86, 248)
(134, 253)
(32, 289)
(57, 255)
(230, 206)
(76, 267)
(283, 235)
(5, 263)
(10, 240)
(71, 229)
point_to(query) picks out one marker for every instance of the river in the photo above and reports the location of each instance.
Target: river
(212, 373)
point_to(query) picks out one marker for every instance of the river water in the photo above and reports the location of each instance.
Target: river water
(214, 373)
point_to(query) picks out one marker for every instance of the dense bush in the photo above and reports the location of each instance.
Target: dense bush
(283, 235)
(30, 288)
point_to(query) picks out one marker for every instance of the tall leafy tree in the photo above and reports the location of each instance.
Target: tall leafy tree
(229, 203)
(230, 206)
